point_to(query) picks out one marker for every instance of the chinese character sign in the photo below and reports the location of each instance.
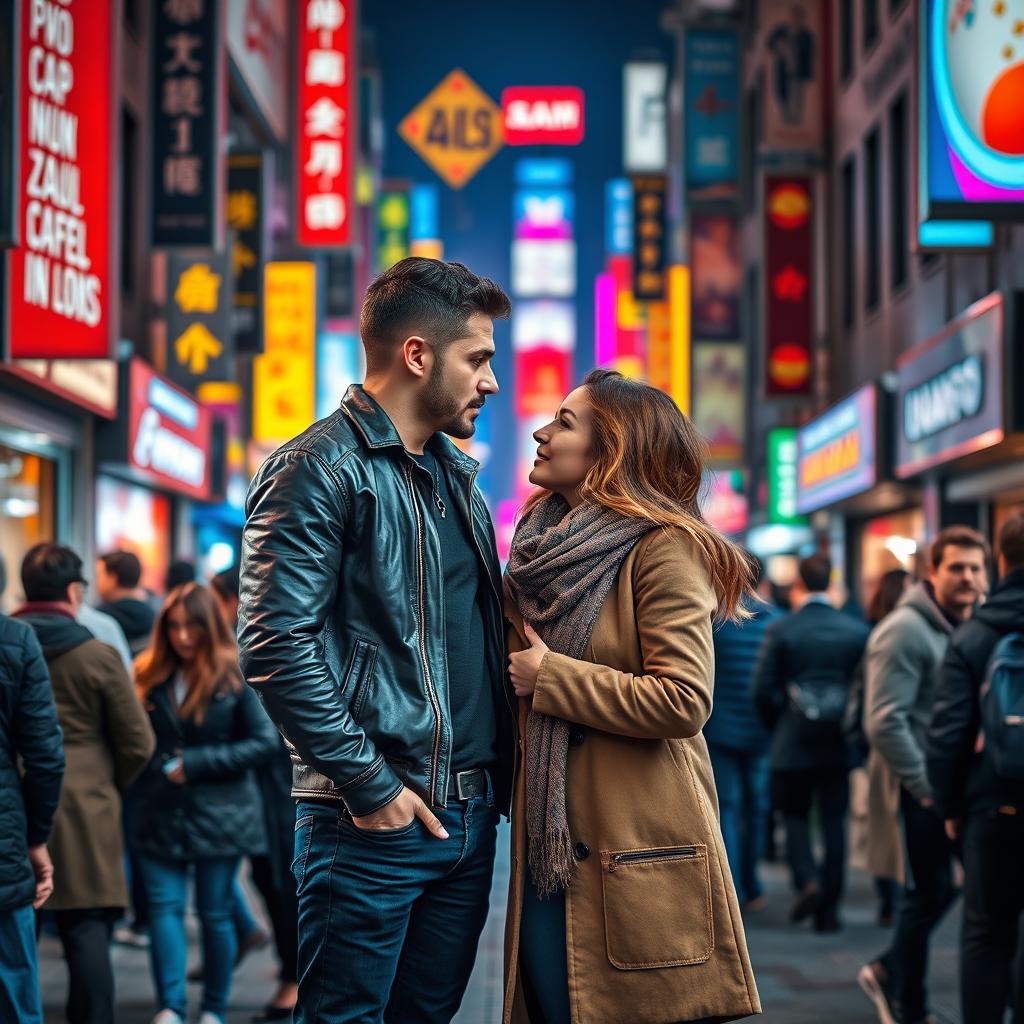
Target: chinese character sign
(187, 99)
(712, 113)
(247, 223)
(326, 122)
(788, 234)
(59, 282)
(649, 241)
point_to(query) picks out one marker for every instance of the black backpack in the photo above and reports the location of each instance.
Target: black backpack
(1002, 707)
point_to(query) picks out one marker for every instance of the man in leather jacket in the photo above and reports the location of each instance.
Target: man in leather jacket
(370, 624)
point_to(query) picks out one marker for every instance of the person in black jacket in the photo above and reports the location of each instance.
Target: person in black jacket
(199, 805)
(981, 808)
(801, 686)
(29, 731)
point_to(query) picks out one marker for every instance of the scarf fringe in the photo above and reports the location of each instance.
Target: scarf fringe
(552, 862)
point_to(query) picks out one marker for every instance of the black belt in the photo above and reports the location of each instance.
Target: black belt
(468, 784)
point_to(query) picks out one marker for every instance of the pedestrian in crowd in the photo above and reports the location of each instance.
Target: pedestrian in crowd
(31, 769)
(107, 630)
(901, 663)
(738, 741)
(613, 582)
(801, 688)
(397, 708)
(179, 572)
(199, 812)
(107, 742)
(117, 581)
(271, 872)
(976, 769)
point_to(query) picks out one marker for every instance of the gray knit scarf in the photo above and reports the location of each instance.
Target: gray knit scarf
(560, 569)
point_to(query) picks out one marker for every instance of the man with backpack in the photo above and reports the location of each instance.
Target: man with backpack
(975, 749)
(801, 687)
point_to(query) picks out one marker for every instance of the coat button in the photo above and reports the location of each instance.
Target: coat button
(582, 851)
(576, 737)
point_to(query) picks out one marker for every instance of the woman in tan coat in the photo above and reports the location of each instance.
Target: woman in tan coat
(621, 905)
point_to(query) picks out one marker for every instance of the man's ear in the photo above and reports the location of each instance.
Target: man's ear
(417, 355)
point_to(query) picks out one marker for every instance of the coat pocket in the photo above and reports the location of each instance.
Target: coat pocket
(360, 671)
(657, 906)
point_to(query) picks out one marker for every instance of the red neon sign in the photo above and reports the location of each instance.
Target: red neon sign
(543, 115)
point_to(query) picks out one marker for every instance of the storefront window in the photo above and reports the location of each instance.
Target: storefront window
(28, 501)
(131, 518)
(889, 542)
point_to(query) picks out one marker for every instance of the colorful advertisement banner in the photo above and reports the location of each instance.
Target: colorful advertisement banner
(188, 97)
(61, 297)
(544, 213)
(783, 477)
(950, 391)
(837, 453)
(650, 238)
(719, 400)
(392, 226)
(645, 117)
(618, 217)
(724, 501)
(284, 377)
(794, 93)
(971, 146)
(717, 273)
(712, 113)
(789, 291)
(326, 150)
(135, 519)
(543, 115)
(248, 245)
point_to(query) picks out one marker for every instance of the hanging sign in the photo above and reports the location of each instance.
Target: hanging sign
(649, 236)
(248, 228)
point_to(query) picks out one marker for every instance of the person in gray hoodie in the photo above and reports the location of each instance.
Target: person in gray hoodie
(901, 662)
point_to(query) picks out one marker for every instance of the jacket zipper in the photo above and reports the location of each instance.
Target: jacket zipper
(642, 856)
(431, 694)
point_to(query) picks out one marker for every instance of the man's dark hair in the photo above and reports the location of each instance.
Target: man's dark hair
(124, 567)
(425, 297)
(1011, 543)
(179, 573)
(48, 570)
(957, 537)
(226, 582)
(816, 572)
(756, 568)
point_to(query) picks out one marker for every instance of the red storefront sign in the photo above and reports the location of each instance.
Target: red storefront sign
(543, 115)
(169, 434)
(326, 122)
(61, 303)
(789, 310)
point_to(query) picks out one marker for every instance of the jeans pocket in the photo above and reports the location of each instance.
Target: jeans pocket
(303, 842)
(379, 833)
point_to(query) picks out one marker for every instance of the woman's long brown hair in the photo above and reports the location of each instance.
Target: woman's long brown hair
(648, 464)
(215, 665)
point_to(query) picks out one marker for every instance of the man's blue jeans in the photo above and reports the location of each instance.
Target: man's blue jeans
(389, 921)
(19, 972)
(744, 804)
(167, 891)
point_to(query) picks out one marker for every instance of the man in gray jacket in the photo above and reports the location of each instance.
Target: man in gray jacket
(903, 655)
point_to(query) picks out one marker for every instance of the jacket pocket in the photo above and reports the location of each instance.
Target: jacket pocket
(360, 671)
(657, 906)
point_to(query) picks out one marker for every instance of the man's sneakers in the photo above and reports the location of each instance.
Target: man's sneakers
(167, 1017)
(806, 905)
(874, 982)
(126, 935)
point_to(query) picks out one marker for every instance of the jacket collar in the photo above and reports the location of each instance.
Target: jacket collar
(378, 432)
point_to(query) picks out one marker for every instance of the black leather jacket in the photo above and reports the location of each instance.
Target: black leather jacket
(341, 615)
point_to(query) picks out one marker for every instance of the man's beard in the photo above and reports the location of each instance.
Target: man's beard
(439, 404)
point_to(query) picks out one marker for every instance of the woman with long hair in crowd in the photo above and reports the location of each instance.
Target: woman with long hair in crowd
(621, 904)
(199, 805)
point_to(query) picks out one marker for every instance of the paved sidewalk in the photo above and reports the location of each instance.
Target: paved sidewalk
(803, 978)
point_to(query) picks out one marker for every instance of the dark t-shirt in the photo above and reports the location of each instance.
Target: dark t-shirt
(470, 690)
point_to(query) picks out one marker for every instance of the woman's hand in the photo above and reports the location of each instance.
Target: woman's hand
(524, 667)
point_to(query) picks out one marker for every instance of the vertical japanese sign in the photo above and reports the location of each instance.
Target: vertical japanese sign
(392, 226)
(788, 309)
(618, 217)
(783, 479)
(8, 129)
(645, 118)
(284, 377)
(248, 226)
(326, 122)
(712, 113)
(59, 278)
(649, 238)
(188, 104)
(199, 311)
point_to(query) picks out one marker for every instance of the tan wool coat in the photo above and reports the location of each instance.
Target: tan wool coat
(654, 937)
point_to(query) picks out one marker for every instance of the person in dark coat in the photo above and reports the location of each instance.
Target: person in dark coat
(118, 574)
(30, 734)
(801, 688)
(199, 810)
(738, 743)
(982, 808)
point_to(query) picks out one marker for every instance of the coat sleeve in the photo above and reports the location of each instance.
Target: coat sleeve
(127, 723)
(37, 739)
(290, 574)
(672, 697)
(893, 665)
(769, 689)
(954, 727)
(255, 742)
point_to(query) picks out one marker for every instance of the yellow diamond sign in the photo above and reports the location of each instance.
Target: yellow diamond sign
(456, 129)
